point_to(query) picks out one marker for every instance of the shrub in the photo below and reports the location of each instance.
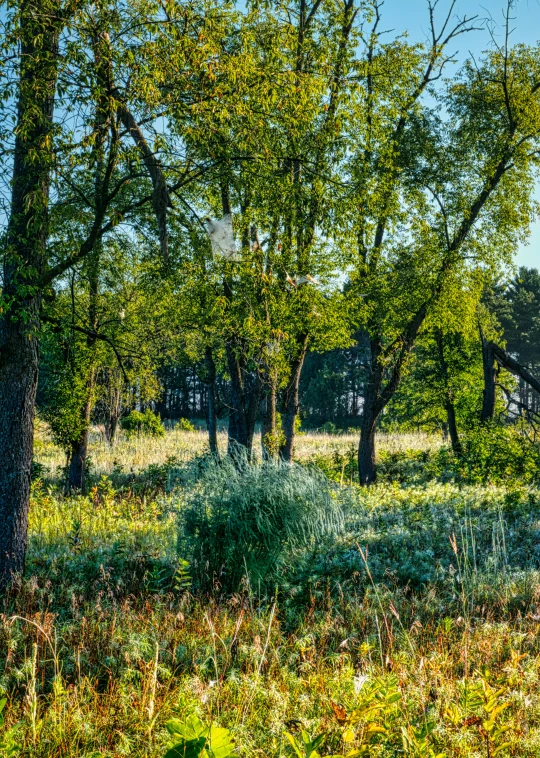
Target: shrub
(145, 423)
(499, 453)
(329, 428)
(39, 470)
(250, 519)
(184, 425)
(404, 465)
(339, 465)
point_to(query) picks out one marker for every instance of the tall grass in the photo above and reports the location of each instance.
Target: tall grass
(133, 455)
(245, 521)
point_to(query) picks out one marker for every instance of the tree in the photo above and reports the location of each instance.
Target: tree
(99, 343)
(332, 385)
(36, 27)
(47, 51)
(438, 201)
(517, 307)
(276, 145)
(441, 389)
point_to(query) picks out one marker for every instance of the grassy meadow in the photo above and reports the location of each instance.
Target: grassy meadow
(283, 604)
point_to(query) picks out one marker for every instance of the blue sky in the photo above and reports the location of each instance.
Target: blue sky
(412, 15)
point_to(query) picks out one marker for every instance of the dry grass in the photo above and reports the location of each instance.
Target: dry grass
(137, 454)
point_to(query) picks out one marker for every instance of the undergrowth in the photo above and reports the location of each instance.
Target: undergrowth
(400, 621)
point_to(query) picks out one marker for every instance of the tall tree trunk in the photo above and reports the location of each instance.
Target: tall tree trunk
(245, 385)
(114, 382)
(111, 429)
(24, 258)
(372, 407)
(79, 447)
(115, 409)
(377, 395)
(366, 448)
(238, 435)
(489, 395)
(245, 395)
(18, 382)
(452, 426)
(77, 462)
(291, 404)
(269, 436)
(367, 470)
(211, 400)
(252, 401)
(448, 397)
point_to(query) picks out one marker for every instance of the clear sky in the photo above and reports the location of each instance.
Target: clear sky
(412, 15)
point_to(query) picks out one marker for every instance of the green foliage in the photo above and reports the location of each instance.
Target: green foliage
(491, 453)
(39, 470)
(145, 423)
(517, 306)
(405, 466)
(453, 535)
(192, 739)
(245, 521)
(328, 428)
(495, 453)
(306, 747)
(341, 466)
(445, 367)
(9, 746)
(184, 425)
(64, 391)
(372, 723)
(482, 706)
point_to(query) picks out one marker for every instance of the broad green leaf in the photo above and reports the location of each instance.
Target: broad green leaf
(190, 729)
(221, 744)
(188, 749)
(500, 748)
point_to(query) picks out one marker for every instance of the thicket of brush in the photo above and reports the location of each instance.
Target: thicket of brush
(246, 522)
(304, 616)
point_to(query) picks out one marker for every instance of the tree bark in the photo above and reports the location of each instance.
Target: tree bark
(237, 430)
(24, 261)
(245, 395)
(77, 463)
(452, 427)
(367, 469)
(448, 397)
(489, 394)
(510, 364)
(291, 403)
(211, 401)
(111, 429)
(269, 437)
(79, 447)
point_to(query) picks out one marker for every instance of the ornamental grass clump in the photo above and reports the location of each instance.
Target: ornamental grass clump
(244, 521)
